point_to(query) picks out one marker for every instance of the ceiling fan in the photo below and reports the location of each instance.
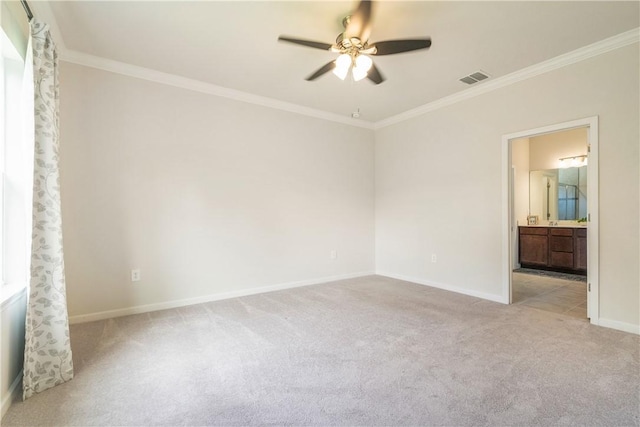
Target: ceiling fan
(354, 48)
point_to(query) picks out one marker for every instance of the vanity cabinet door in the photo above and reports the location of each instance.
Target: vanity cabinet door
(534, 246)
(581, 250)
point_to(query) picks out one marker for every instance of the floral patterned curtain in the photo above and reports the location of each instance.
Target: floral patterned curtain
(47, 357)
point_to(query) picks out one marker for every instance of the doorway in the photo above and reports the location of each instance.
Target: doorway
(561, 246)
(559, 293)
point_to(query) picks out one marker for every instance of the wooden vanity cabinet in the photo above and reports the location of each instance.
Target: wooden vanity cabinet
(580, 250)
(553, 248)
(534, 246)
(561, 248)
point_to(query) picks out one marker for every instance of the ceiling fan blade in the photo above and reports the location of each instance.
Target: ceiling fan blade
(359, 23)
(308, 43)
(322, 70)
(391, 47)
(374, 75)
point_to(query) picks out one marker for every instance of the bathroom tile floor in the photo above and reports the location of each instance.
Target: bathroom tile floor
(562, 296)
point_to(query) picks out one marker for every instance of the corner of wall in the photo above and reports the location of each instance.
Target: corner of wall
(12, 313)
(12, 394)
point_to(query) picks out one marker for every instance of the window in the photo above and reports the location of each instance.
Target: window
(16, 153)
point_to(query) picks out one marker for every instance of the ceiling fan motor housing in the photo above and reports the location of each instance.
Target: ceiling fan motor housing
(345, 43)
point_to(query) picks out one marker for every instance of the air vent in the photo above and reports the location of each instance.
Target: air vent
(474, 77)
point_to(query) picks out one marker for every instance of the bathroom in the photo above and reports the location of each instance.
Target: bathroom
(550, 212)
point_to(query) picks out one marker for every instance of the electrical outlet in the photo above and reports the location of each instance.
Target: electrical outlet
(334, 254)
(434, 258)
(135, 275)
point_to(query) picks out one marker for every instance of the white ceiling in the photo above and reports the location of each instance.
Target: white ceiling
(233, 44)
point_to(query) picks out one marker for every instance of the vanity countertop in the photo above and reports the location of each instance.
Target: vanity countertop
(569, 225)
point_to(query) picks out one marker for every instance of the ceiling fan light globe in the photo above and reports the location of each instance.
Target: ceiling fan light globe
(359, 73)
(364, 63)
(361, 67)
(341, 72)
(343, 63)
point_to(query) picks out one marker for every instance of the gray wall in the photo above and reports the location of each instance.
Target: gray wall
(438, 180)
(206, 195)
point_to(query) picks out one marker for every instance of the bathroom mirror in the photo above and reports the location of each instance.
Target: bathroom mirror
(558, 194)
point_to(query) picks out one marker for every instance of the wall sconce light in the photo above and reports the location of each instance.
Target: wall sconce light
(573, 161)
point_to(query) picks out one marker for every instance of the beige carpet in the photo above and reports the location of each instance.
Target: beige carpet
(368, 351)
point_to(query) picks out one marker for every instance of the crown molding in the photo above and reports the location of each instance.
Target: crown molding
(135, 71)
(43, 11)
(578, 55)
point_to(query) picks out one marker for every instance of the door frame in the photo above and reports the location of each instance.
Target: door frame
(509, 226)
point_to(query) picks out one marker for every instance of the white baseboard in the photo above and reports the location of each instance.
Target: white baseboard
(82, 318)
(621, 326)
(483, 295)
(12, 394)
(91, 317)
(607, 323)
